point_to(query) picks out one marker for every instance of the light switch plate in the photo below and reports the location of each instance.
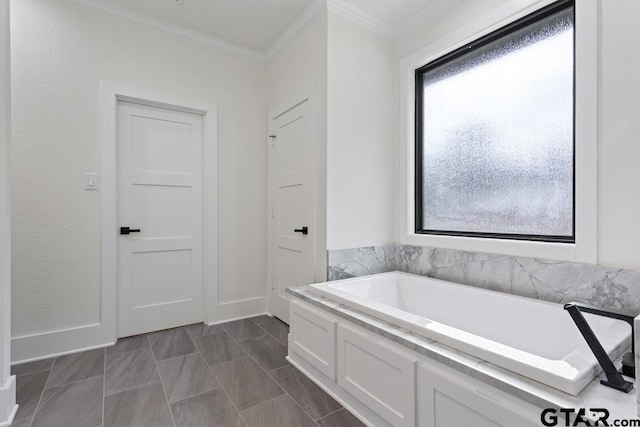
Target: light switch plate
(90, 181)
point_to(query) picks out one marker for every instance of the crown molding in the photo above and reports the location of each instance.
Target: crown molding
(391, 32)
(425, 15)
(301, 23)
(347, 10)
(310, 14)
(138, 18)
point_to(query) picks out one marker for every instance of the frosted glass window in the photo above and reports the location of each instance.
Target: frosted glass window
(495, 134)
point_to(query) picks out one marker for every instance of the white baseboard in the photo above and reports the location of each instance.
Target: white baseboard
(242, 309)
(218, 322)
(57, 343)
(8, 406)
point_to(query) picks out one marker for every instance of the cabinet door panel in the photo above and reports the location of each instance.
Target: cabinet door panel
(313, 337)
(449, 399)
(378, 376)
(449, 412)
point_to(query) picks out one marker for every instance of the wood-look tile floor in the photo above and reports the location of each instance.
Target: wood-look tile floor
(226, 375)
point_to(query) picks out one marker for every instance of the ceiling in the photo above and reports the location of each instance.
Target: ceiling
(258, 25)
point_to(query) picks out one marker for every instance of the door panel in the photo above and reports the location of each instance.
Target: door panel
(161, 276)
(291, 153)
(160, 193)
(156, 198)
(158, 145)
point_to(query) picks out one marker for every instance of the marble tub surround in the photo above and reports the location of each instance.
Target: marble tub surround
(620, 405)
(555, 281)
(347, 263)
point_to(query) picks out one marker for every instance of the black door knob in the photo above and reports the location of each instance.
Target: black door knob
(127, 230)
(303, 230)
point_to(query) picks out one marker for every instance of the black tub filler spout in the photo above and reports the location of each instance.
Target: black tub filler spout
(614, 377)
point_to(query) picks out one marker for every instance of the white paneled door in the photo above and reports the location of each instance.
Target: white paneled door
(294, 232)
(160, 215)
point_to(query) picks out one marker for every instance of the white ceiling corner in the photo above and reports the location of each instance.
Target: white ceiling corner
(349, 11)
(391, 18)
(307, 17)
(113, 8)
(253, 24)
(258, 29)
(110, 9)
(434, 9)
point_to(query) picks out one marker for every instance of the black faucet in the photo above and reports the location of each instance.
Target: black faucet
(614, 379)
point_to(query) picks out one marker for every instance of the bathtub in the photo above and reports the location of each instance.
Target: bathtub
(533, 338)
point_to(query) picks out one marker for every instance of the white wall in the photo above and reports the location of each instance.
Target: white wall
(619, 135)
(7, 382)
(60, 55)
(361, 135)
(355, 72)
(299, 68)
(5, 236)
(618, 109)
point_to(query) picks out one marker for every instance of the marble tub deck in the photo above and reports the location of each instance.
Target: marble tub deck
(621, 405)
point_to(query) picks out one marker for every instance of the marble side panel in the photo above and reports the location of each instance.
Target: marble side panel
(346, 263)
(554, 281)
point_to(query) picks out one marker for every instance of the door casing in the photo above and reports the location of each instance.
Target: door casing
(111, 93)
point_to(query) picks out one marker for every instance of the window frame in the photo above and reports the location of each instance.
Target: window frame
(468, 28)
(498, 34)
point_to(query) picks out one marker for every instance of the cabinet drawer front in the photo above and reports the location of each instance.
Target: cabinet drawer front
(377, 375)
(449, 400)
(313, 337)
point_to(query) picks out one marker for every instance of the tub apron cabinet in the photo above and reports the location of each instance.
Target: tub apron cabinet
(386, 384)
(378, 375)
(447, 398)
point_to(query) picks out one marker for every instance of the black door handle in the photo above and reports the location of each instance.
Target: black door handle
(127, 230)
(303, 230)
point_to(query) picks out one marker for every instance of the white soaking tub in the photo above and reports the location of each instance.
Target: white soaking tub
(533, 338)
